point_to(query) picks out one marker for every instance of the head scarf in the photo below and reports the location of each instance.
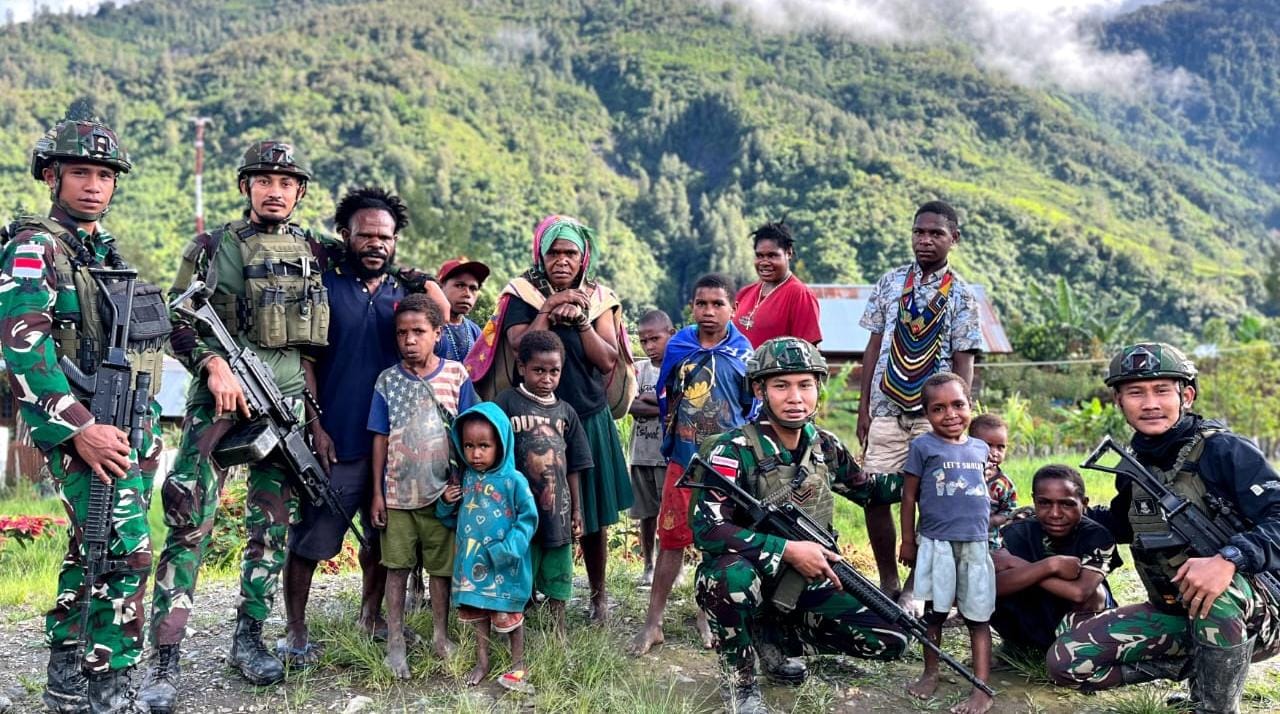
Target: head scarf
(553, 228)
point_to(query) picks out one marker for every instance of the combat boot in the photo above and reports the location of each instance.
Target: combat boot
(110, 693)
(779, 668)
(160, 688)
(67, 691)
(1172, 668)
(1218, 681)
(739, 690)
(251, 656)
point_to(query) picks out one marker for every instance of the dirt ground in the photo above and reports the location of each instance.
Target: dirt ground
(680, 665)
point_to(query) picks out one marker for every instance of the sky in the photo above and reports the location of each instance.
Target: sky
(22, 9)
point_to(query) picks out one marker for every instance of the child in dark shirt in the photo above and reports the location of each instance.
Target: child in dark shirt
(551, 449)
(992, 430)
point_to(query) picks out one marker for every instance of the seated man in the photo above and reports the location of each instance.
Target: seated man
(1052, 569)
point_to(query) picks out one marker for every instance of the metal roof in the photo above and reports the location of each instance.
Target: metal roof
(842, 306)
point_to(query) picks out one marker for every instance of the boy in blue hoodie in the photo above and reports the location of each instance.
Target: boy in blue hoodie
(701, 393)
(495, 517)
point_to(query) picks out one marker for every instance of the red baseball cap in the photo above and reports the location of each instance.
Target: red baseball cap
(463, 265)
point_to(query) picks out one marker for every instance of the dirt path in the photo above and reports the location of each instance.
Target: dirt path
(680, 667)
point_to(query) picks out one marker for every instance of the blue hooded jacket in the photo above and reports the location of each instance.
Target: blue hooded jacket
(495, 522)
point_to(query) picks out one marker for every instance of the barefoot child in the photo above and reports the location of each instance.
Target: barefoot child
(551, 449)
(648, 465)
(495, 521)
(409, 416)
(702, 393)
(992, 430)
(944, 474)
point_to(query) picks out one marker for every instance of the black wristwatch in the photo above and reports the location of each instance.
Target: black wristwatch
(1233, 555)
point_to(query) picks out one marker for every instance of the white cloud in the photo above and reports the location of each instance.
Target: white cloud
(1032, 42)
(23, 10)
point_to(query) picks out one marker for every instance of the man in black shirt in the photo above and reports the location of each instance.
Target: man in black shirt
(1053, 566)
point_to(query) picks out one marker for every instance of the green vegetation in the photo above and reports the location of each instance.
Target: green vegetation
(673, 127)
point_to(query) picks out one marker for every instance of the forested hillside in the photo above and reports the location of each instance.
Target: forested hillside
(674, 128)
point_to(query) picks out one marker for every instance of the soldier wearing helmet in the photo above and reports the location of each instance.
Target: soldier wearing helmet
(758, 590)
(50, 302)
(265, 273)
(1205, 617)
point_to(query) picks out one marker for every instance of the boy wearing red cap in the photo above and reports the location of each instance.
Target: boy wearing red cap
(461, 279)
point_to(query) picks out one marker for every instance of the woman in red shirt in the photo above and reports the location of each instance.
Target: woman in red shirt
(779, 305)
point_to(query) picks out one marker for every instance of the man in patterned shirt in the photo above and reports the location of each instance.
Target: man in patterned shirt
(805, 611)
(923, 319)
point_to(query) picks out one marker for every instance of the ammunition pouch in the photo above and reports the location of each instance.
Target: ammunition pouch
(284, 303)
(786, 594)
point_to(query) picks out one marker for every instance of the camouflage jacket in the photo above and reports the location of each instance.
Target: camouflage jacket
(32, 300)
(717, 526)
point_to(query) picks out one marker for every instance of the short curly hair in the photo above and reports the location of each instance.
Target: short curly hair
(374, 197)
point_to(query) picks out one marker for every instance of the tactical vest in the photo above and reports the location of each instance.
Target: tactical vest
(284, 302)
(81, 335)
(1158, 567)
(775, 483)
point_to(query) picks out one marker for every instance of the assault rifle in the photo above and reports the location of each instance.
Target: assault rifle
(117, 400)
(273, 427)
(789, 521)
(1201, 533)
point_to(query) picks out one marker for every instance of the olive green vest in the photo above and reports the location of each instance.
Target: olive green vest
(1158, 567)
(275, 298)
(71, 330)
(775, 483)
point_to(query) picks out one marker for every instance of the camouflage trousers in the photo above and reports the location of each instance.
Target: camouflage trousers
(1088, 649)
(114, 640)
(734, 595)
(190, 497)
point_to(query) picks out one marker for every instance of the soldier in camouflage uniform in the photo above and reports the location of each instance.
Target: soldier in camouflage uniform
(1206, 617)
(50, 311)
(763, 594)
(265, 273)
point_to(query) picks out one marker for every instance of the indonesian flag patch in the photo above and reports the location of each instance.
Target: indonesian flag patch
(725, 466)
(28, 261)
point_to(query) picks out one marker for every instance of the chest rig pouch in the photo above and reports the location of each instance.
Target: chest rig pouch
(79, 332)
(284, 302)
(1158, 552)
(806, 483)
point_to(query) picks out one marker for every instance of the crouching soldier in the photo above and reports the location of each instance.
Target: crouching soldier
(1206, 618)
(763, 594)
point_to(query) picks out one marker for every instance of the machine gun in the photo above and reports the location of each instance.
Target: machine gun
(115, 399)
(789, 521)
(273, 428)
(1190, 527)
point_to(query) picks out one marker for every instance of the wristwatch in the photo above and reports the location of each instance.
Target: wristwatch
(1232, 554)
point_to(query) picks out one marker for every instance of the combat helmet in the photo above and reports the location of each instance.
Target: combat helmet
(1150, 360)
(785, 355)
(77, 140)
(275, 157)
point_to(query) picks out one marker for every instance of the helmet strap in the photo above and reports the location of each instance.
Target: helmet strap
(786, 423)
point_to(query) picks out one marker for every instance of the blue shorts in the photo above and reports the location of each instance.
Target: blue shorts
(318, 533)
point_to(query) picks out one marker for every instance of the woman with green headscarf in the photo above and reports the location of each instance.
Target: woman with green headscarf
(597, 380)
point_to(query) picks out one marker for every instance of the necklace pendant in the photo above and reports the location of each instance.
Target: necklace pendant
(746, 322)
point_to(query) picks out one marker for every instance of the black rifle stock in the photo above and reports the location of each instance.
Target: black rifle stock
(1191, 527)
(114, 399)
(788, 521)
(281, 430)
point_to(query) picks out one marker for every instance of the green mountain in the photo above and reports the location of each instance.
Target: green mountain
(674, 128)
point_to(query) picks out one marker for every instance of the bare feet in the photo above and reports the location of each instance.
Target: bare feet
(704, 631)
(977, 703)
(646, 578)
(555, 609)
(924, 687)
(371, 624)
(599, 609)
(396, 656)
(645, 640)
(443, 646)
(477, 673)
